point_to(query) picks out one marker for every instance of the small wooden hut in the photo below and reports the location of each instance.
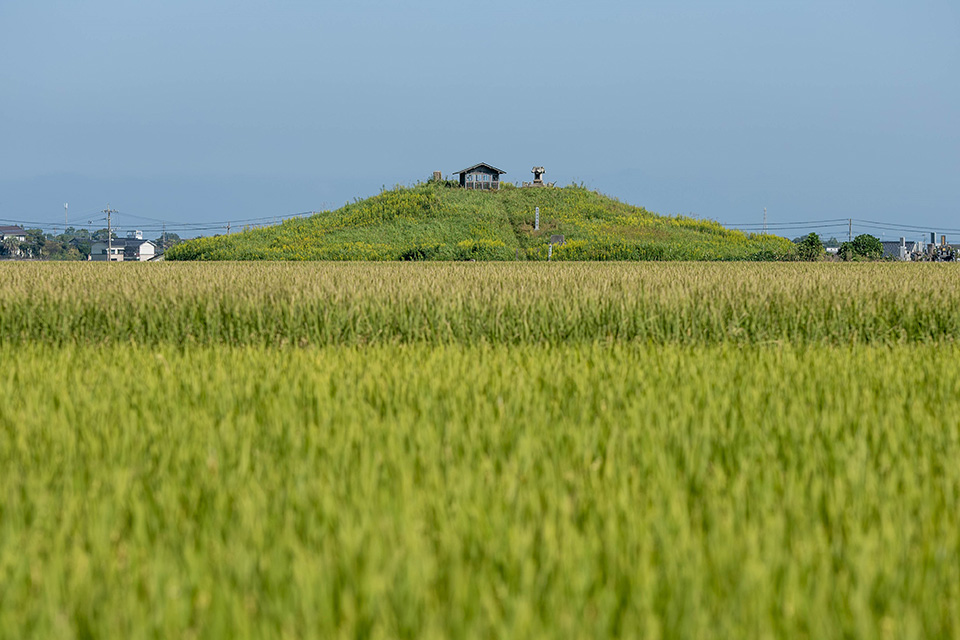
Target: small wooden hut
(480, 176)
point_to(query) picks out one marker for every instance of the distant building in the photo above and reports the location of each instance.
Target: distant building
(124, 250)
(895, 249)
(13, 231)
(481, 176)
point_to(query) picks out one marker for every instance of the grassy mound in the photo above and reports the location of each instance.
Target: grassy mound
(432, 221)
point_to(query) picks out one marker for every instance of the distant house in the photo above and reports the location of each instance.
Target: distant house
(13, 231)
(98, 251)
(480, 176)
(895, 249)
(123, 250)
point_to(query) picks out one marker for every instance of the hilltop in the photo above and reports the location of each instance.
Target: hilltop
(437, 221)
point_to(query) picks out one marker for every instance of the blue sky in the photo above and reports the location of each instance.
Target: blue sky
(215, 110)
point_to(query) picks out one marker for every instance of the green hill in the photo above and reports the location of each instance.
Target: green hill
(438, 221)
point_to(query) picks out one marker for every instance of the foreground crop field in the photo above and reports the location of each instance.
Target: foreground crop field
(321, 304)
(432, 457)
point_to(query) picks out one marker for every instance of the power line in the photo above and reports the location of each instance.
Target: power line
(24, 224)
(798, 222)
(903, 227)
(159, 224)
(142, 217)
(787, 227)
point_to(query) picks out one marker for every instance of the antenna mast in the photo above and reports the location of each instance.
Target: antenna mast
(764, 220)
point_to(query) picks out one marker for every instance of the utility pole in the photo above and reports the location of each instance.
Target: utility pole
(163, 242)
(109, 211)
(228, 228)
(65, 205)
(849, 229)
(764, 220)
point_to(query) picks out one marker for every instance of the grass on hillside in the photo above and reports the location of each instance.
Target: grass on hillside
(431, 221)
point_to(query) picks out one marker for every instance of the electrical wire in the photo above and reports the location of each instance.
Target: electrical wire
(159, 225)
(903, 227)
(799, 222)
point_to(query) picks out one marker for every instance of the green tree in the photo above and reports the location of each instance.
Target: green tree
(83, 246)
(810, 248)
(165, 241)
(10, 247)
(863, 247)
(34, 244)
(100, 235)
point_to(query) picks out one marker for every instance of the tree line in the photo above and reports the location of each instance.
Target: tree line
(864, 247)
(72, 244)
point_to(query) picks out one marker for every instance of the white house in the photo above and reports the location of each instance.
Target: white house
(15, 233)
(124, 250)
(12, 231)
(142, 250)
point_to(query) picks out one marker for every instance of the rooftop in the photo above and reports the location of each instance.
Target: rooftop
(478, 165)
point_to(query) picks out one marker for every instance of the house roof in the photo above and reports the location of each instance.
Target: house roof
(12, 229)
(891, 247)
(126, 242)
(478, 165)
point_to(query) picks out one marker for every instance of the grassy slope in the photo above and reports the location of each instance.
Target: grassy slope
(433, 222)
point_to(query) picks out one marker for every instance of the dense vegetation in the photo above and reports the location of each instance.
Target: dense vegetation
(809, 248)
(434, 222)
(479, 450)
(863, 247)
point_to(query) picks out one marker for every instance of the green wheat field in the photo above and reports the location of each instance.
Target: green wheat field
(461, 450)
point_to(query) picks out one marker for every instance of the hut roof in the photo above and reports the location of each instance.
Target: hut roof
(478, 165)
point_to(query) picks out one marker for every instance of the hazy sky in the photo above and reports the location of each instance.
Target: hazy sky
(215, 110)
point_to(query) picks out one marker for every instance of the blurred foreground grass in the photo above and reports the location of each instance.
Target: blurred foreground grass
(475, 490)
